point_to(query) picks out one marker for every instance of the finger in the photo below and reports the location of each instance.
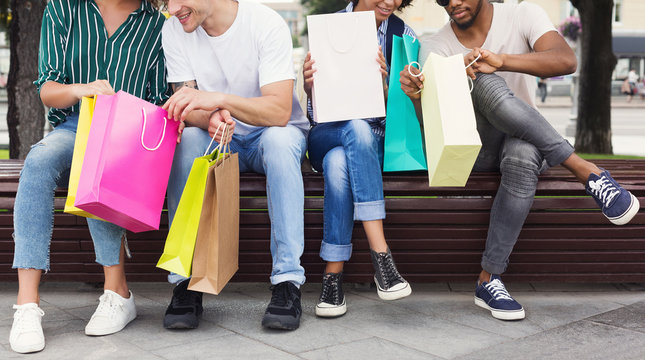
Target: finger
(180, 130)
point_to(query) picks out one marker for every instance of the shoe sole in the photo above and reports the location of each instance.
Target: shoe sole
(393, 295)
(331, 312)
(180, 322)
(28, 349)
(501, 314)
(629, 214)
(108, 331)
(280, 322)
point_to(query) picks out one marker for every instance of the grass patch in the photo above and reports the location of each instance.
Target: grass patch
(4, 153)
(609, 157)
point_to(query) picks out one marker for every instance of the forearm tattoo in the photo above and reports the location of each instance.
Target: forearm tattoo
(178, 85)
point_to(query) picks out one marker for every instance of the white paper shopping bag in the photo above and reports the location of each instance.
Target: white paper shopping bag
(450, 127)
(347, 82)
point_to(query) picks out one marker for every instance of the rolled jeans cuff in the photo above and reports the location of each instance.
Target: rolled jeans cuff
(370, 210)
(493, 267)
(335, 252)
(176, 278)
(294, 278)
(559, 155)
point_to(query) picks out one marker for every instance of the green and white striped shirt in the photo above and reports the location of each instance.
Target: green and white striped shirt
(75, 48)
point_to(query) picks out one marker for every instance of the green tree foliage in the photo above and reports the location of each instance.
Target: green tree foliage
(4, 15)
(323, 6)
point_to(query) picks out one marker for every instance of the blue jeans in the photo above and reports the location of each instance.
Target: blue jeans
(350, 156)
(276, 152)
(520, 143)
(47, 167)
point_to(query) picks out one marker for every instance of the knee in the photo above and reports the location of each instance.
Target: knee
(520, 169)
(277, 142)
(41, 161)
(361, 132)
(192, 144)
(488, 91)
(335, 168)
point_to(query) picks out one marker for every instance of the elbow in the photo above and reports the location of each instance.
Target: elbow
(284, 117)
(571, 65)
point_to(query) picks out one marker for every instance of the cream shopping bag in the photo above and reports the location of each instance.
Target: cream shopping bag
(347, 82)
(452, 140)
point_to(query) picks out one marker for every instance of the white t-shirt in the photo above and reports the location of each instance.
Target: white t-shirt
(632, 77)
(255, 51)
(514, 30)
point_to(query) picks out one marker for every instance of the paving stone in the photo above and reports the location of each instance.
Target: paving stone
(630, 317)
(368, 349)
(579, 340)
(418, 331)
(224, 347)
(573, 287)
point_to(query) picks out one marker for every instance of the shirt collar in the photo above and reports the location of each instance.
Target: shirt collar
(381, 29)
(147, 6)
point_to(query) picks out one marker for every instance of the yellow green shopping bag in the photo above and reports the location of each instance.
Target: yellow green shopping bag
(178, 252)
(80, 143)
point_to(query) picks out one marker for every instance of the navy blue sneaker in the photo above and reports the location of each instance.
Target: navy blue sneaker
(617, 204)
(494, 297)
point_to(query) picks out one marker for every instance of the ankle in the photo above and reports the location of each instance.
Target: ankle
(334, 267)
(27, 299)
(123, 292)
(484, 276)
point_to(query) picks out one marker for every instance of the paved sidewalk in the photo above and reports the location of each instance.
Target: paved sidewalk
(565, 101)
(438, 321)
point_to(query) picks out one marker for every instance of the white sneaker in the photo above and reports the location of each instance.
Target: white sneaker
(27, 332)
(112, 315)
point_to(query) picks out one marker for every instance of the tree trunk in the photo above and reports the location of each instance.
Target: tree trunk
(26, 114)
(593, 131)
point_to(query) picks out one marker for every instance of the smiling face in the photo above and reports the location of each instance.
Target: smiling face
(382, 8)
(464, 12)
(190, 13)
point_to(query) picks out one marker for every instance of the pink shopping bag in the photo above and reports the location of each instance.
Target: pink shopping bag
(127, 162)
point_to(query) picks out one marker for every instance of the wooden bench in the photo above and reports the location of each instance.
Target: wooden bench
(436, 234)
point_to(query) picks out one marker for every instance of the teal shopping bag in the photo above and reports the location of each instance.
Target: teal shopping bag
(403, 142)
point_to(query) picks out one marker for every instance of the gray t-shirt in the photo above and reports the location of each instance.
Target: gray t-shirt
(514, 30)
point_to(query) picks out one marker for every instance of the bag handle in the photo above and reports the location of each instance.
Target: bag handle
(470, 81)
(143, 131)
(212, 140)
(224, 147)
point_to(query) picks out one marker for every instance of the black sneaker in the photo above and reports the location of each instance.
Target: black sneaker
(185, 308)
(284, 309)
(390, 285)
(332, 298)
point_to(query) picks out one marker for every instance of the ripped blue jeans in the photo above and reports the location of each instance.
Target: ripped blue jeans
(520, 143)
(47, 167)
(350, 155)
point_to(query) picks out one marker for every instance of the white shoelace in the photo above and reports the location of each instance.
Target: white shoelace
(604, 190)
(108, 304)
(28, 317)
(498, 290)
